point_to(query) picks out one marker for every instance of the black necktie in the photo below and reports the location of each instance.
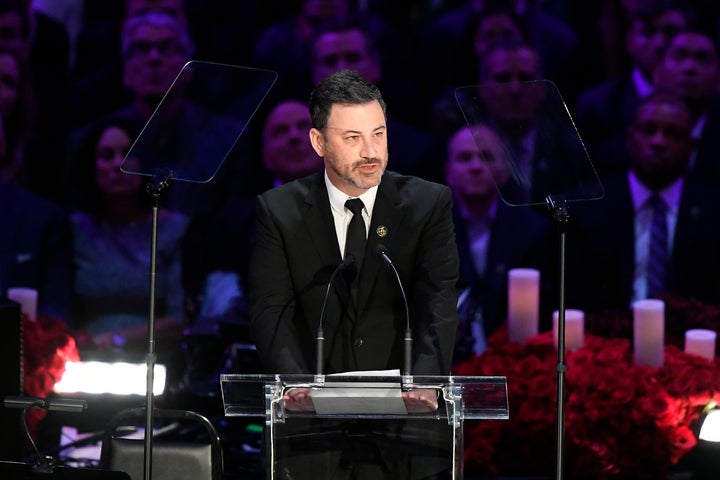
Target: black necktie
(658, 253)
(355, 241)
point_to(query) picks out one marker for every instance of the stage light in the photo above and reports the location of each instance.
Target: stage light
(710, 429)
(119, 378)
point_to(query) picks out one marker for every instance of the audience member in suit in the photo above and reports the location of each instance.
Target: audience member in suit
(40, 47)
(97, 86)
(43, 43)
(610, 237)
(492, 236)
(603, 112)
(299, 239)
(690, 68)
(350, 44)
(36, 249)
(529, 115)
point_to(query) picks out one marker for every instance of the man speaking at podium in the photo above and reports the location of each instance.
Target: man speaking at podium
(316, 264)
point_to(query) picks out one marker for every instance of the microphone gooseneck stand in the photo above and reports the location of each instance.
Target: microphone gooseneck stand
(407, 379)
(155, 188)
(559, 211)
(320, 337)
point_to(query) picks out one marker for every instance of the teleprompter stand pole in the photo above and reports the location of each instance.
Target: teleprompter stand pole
(559, 212)
(155, 188)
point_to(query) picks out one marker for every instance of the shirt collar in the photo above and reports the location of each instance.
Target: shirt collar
(640, 193)
(338, 198)
(643, 86)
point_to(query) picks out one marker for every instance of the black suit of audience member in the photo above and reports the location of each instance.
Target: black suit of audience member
(603, 112)
(608, 259)
(36, 249)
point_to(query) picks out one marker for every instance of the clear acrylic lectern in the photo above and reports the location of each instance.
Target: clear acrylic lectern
(363, 413)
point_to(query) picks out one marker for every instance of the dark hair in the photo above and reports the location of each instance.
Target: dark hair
(87, 196)
(344, 87)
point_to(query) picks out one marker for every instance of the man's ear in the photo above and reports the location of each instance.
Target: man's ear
(318, 141)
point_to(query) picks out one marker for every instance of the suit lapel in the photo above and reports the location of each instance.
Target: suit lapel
(385, 221)
(320, 224)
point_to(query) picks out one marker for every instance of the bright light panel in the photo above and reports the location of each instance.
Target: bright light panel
(120, 378)
(710, 430)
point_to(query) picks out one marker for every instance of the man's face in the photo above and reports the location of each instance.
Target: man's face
(476, 160)
(112, 147)
(286, 151)
(646, 40)
(354, 146)
(346, 50)
(689, 67)
(505, 91)
(155, 56)
(660, 143)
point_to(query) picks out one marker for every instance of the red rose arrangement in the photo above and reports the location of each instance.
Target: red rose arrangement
(621, 419)
(47, 345)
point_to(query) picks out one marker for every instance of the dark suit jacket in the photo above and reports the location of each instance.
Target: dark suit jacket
(602, 115)
(602, 243)
(706, 167)
(296, 250)
(36, 249)
(519, 237)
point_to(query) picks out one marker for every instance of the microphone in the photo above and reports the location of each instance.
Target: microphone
(320, 337)
(381, 251)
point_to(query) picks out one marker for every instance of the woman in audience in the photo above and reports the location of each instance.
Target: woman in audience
(113, 231)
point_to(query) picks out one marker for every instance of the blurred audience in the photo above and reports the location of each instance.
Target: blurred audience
(36, 249)
(193, 138)
(492, 236)
(610, 262)
(447, 42)
(603, 111)
(690, 68)
(112, 235)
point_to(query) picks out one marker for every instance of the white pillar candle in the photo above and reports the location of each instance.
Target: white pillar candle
(649, 332)
(700, 341)
(523, 303)
(27, 298)
(574, 329)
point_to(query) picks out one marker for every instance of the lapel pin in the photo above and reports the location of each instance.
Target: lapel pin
(381, 230)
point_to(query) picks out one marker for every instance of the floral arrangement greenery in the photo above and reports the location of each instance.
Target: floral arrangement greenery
(622, 420)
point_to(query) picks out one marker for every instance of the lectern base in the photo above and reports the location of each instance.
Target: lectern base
(363, 449)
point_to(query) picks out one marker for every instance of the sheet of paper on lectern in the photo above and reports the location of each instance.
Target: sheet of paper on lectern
(360, 398)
